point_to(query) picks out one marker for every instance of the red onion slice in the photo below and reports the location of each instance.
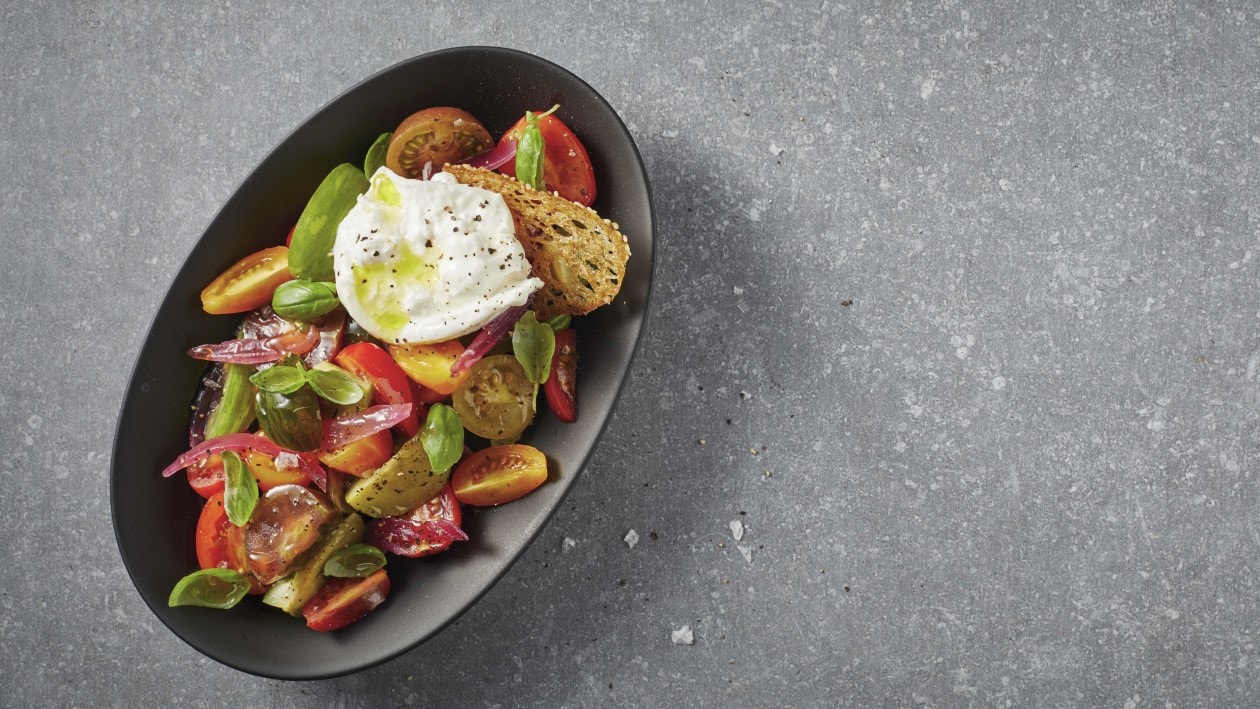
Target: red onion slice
(495, 157)
(487, 338)
(348, 429)
(258, 350)
(241, 442)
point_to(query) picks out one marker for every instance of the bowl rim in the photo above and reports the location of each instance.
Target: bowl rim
(644, 318)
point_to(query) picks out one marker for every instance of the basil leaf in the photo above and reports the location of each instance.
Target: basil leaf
(375, 158)
(443, 438)
(558, 322)
(336, 386)
(240, 490)
(280, 379)
(210, 588)
(533, 343)
(530, 149)
(355, 561)
(304, 300)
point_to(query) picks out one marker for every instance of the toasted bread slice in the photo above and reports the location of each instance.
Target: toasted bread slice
(580, 258)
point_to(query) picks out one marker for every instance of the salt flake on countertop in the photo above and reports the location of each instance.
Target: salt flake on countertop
(775, 149)
(746, 551)
(737, 529)
(567, 545)
(683, 636)
(632, 538)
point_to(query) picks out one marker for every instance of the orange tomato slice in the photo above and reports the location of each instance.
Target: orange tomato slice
(499, 474)
(249, 283)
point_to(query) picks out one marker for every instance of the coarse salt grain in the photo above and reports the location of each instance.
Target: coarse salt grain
(746, 551)
(632, 538)
(683, 636)
(567, 545)
(737, 529)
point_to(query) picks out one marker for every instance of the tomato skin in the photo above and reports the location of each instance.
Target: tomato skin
(285, 524)
(390, 384)
(566, 164)
(430, 365)
(342, 601)
(561, 385)
(221, 544)
(405, 535)
(248, 283)
(499, 474)
(360, 456)
(438, 135)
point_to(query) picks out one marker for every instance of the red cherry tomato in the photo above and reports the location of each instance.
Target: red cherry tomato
(499, 474)
(390, 384)
(248, 283)
(221, 544)
(424, 531)
(566, 164)
(342, 601)
(561, 385)
(207, 477)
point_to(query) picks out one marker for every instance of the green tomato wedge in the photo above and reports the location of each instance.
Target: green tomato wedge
(310, 253)
(235, 410)
(210, 588)
(375, 158)
(355, 561)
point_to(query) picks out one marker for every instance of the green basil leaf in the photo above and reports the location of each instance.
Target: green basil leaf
(533, 343)
(280, 379)
(529, 151)
(336, 386)
(310, 252)
(235, 410)
(240, 490)
(355, 561)
(559, 322)
(304, 300)
(443, 438)
(375, 158)
(210, 588)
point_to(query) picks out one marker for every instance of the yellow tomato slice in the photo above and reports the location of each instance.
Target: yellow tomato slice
(249, 283)
(430, 365)
(499, 474)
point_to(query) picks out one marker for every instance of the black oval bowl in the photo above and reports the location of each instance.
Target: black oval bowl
(154, 518)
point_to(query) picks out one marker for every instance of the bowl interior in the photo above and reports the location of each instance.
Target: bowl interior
(154, 518)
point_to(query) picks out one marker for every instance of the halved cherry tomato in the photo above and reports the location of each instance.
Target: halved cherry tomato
(221, 544)
(342, 601)
(435, 135)
(415, 534)
(248, 283)
(499, 474)
(566, 164)
(561, 384)
(286, 522)
(207, 476)
(496, 401)
(390, 384)
(280, 334)
(430, 365)
(359, 456)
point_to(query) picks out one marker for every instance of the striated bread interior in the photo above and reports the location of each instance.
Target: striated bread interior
(580, 257)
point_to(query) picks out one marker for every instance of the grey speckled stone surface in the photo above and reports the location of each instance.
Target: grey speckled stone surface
(956, 312)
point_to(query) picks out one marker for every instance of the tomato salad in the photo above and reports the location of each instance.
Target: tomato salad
(330, 431)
